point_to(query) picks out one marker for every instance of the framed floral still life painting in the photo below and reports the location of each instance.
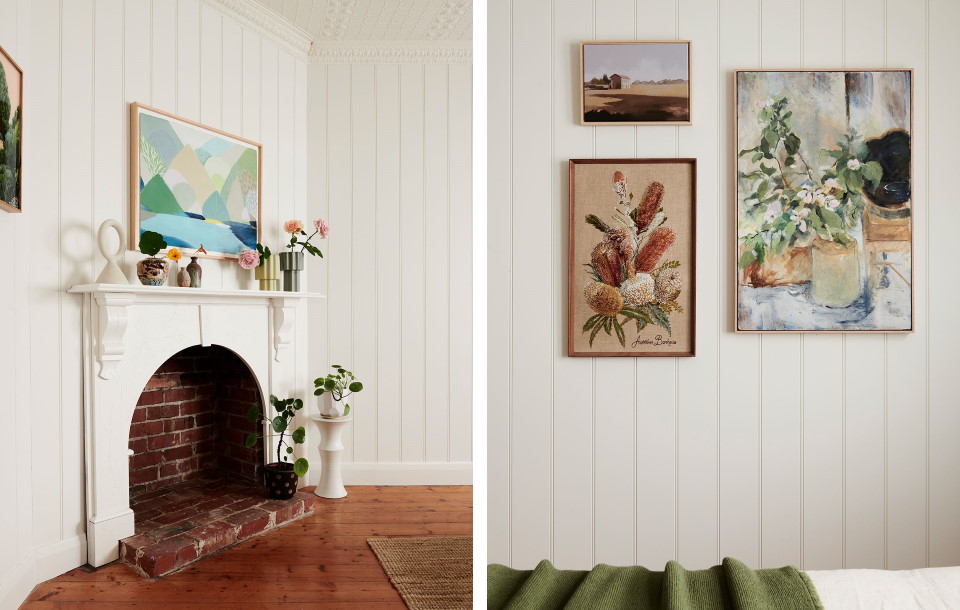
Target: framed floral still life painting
(11, 121)
(631, 262)
(194, 185)
(824, 206)
(633, 82)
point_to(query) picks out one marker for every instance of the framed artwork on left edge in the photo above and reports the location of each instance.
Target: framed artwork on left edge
(193, 184)
(632, 257)
(11, 122)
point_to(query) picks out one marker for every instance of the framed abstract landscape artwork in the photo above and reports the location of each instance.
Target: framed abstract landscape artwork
(193, 184)
(11, 126)
(824, 206)
(631, 261)
(635, 82)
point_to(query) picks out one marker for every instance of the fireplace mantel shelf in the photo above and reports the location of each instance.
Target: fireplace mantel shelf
(192, 292)
(114, 300)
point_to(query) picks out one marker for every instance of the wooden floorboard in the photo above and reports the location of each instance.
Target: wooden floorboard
(321, 561)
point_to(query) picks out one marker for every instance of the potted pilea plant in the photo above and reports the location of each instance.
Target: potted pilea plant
(281, 476)
(152, 271)
(338, 385)
(291, 263)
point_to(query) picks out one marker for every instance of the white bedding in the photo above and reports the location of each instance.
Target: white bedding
(925, 589)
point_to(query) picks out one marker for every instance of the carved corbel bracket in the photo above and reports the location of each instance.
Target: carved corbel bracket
(112, 308)
(284, 321)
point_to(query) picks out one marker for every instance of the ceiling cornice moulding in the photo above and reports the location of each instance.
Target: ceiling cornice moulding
(414, 52)
(276, 27)
(267, 23)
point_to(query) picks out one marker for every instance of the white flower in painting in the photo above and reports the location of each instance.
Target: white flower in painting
(853, 164)
(831, 183)
(805, 195)
(774, 210)
(620, 188)
(799, 216)
(832, 202)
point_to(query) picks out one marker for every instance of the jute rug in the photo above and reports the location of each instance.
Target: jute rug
(434, 573)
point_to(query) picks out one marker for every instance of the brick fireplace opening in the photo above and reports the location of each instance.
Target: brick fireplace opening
(195, 489)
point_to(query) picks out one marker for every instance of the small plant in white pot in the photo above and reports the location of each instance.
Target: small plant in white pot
(336, 386)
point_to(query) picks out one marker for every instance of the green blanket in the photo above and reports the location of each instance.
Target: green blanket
(731, 585)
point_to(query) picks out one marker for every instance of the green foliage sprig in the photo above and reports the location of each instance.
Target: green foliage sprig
(789, 202)
(286, 409)
(264, 252)
(151, 242)
(340, 383)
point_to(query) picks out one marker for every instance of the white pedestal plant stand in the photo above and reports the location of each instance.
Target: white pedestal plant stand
(331, 448)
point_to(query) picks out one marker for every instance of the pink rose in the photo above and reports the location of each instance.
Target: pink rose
(293, 226)
(249, 258)
(322, 227)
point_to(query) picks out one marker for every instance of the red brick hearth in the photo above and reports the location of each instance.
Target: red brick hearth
(183, 523)
(195, 489)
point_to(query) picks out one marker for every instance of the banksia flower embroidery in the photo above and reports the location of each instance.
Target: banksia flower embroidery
(629, 280)
(660, 239)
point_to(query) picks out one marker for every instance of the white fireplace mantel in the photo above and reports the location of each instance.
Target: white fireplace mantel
(129, 331)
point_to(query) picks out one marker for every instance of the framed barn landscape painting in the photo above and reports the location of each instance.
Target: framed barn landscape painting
(193, 184)
(824, 206)
(11, 127)
(635, 82)
(631, 261)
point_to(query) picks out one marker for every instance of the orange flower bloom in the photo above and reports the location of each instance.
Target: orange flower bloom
(293, 226)
(174, 254)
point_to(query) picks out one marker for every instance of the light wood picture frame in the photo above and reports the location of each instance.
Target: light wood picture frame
(631, 261)
(823, 203)
(635, 82)
(11, 134)
(193, 184)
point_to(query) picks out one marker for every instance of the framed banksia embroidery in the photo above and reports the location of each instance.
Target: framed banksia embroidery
(632, 262)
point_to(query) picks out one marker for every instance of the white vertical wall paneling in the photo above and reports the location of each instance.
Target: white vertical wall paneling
(499, 282)
(317, 186)
(26, 320)
(862, 396)
(740, 366)
(389, 239)
(655, 394)
(300, 176)
(907, 355)
(572, 388)
(365, 218)
(697, 523)
(413, 280)
(436, 263)
(832, 450)
(163, 44)
(285, 127)
(9, 557)
(211, 109)
(531, 370)
(615, 379)
(188, 68)
(460, 242)
(232, 76)
(340, 177)
(77, 259)
(782, 378)
(824, 372)
(944, 335)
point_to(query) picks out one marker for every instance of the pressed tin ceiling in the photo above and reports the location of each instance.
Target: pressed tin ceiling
(378, 20)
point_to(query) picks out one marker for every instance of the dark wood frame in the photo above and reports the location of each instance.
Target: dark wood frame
(3, 204)
(135, 108)
(571, 263)
(636, 42)
(736, 208)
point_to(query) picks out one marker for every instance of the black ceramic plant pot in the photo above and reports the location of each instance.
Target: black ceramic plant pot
(291, 264)
(281, 480)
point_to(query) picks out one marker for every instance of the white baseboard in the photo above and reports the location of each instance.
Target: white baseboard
(18, 584)
(42, 564)
(407, 473)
